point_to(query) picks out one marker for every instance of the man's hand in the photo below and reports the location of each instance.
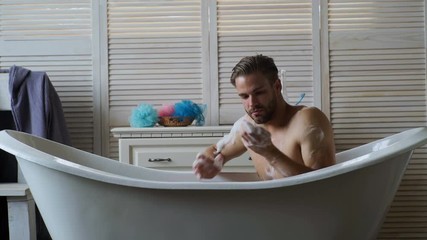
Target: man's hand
(256, 138)
(207, 166)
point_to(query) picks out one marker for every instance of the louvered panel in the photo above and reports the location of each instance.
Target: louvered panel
(375, 14)
(279, 29)
(377, 88)
(114, 147)
(368, 95)
(45, 19)
(54, 37)
(407, 216)
(72, 80)
(154, 54)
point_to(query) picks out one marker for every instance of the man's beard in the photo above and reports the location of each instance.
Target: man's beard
(267, 115)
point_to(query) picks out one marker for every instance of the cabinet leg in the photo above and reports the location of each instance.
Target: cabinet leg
(22, 223)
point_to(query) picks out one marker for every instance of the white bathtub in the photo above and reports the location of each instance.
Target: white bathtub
(84, 196)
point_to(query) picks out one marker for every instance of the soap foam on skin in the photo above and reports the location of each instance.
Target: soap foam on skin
(229, 138)
(199, 161)
(218, 161)
(317, 135)
(316, 132)
(269, 172)
(202, 161)
(263, 136)
(262, 140)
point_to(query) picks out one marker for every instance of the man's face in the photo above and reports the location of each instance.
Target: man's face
(258, 97)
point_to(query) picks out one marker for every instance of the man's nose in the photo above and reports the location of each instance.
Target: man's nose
(252, 101)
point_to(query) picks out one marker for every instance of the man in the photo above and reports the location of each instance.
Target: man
(282, 140)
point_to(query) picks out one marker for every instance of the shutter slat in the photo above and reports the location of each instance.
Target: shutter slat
(29, 20)
(278, 29)
(155, 56)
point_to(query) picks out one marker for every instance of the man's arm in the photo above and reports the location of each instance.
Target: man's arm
(210, 162)
(315, 140)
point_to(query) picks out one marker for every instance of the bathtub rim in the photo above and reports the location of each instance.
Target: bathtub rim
(417, 137)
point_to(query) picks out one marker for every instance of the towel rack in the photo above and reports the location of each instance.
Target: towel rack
(4, 70)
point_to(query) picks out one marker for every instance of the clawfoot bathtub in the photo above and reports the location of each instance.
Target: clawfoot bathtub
(85, 196)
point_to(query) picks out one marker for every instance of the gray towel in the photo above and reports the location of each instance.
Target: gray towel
(36, 107)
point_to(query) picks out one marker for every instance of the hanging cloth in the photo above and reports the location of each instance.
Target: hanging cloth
(35, 104)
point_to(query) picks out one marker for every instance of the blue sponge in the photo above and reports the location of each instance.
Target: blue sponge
(187, 108)
(143, 116)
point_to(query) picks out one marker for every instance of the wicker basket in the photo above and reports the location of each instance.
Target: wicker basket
(175, 121)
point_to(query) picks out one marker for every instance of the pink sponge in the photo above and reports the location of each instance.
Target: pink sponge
(166, 110)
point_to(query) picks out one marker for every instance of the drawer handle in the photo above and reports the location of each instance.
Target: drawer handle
(160, 160)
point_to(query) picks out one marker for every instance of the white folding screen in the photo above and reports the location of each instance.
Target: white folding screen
(154, 55)
(279, 29)
(165, 51)
(377, 69)
(55, 37)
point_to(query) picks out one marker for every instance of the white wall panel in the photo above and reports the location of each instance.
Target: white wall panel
(279, 29)
(55, 37)
(377, 69)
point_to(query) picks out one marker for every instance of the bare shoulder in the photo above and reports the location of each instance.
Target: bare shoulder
(316, 137)
(311, 115)
(309, 118)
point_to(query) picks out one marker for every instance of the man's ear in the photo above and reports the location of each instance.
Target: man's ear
(278, 85)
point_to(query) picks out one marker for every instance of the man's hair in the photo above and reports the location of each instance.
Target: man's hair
(255, 64)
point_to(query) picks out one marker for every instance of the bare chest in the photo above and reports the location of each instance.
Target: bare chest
(287, 143)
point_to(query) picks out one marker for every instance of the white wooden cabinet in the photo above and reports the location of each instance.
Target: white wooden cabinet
(172, 148)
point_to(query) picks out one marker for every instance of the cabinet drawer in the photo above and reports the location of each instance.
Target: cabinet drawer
(179, 154)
